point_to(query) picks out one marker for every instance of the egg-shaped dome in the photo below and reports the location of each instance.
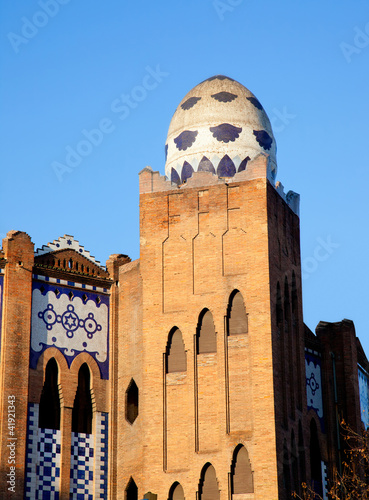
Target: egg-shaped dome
(219, 126)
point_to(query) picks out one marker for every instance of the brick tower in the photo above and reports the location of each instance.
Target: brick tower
(210, 317)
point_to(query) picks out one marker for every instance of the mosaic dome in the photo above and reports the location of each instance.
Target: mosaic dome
(218, 127)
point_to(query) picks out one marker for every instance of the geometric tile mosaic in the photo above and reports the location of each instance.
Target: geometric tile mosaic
(101, 456)
(88, 464)
(82, 466)
(43, 459)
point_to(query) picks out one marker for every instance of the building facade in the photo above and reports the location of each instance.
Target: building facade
(187, 373)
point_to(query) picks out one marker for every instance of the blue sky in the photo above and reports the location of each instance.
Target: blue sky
(66, 66)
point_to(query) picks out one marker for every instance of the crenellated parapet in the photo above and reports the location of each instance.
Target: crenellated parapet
(259, 168)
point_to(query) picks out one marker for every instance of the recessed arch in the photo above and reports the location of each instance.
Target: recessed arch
(236, 314)
(175, 352)
(206, 340)
(82, 407)
(176, 492)
(241, 473)
(208, 485)
(49, 408)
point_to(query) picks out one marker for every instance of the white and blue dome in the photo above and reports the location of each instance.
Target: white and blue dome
(219, 126)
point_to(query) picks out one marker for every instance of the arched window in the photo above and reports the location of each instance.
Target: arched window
(131, 492)
(241, 473)
(132, 402)
(206, 338)
(82, 408)
(208, 486)
(237, 317)
(49, 410)
(315, 459)
(175, 353)
(176, 492)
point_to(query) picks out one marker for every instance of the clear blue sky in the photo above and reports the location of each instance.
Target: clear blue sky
(66, 64)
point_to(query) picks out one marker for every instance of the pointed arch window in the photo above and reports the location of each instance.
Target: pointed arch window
(82, 408)
(208, 487)
(237, 317)
(131, 492)
(206, 337)
(241, 473)
(176, 492)
(175, 353)
(49, 409)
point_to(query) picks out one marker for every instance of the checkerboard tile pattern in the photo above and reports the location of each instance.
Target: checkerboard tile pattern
(101, 456)
(82, 466)
(43, 459)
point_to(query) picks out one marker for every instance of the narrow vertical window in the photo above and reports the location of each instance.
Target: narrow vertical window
(175, 353)
(131, 491)
(82, 408)
(49, 410)
(132, 402)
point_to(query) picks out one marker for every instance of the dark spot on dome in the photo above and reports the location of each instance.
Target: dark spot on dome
(205, 165)
(218, 77)
(263, 138)
(243, 164)
(226, 132)
(185, 139)
(174, 177)
(226, 167)
(190, 103)
(166, 152)
(224, 96)
(187, 171)
(255, 102)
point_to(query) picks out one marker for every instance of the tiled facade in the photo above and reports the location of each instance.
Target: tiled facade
(42, 460)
